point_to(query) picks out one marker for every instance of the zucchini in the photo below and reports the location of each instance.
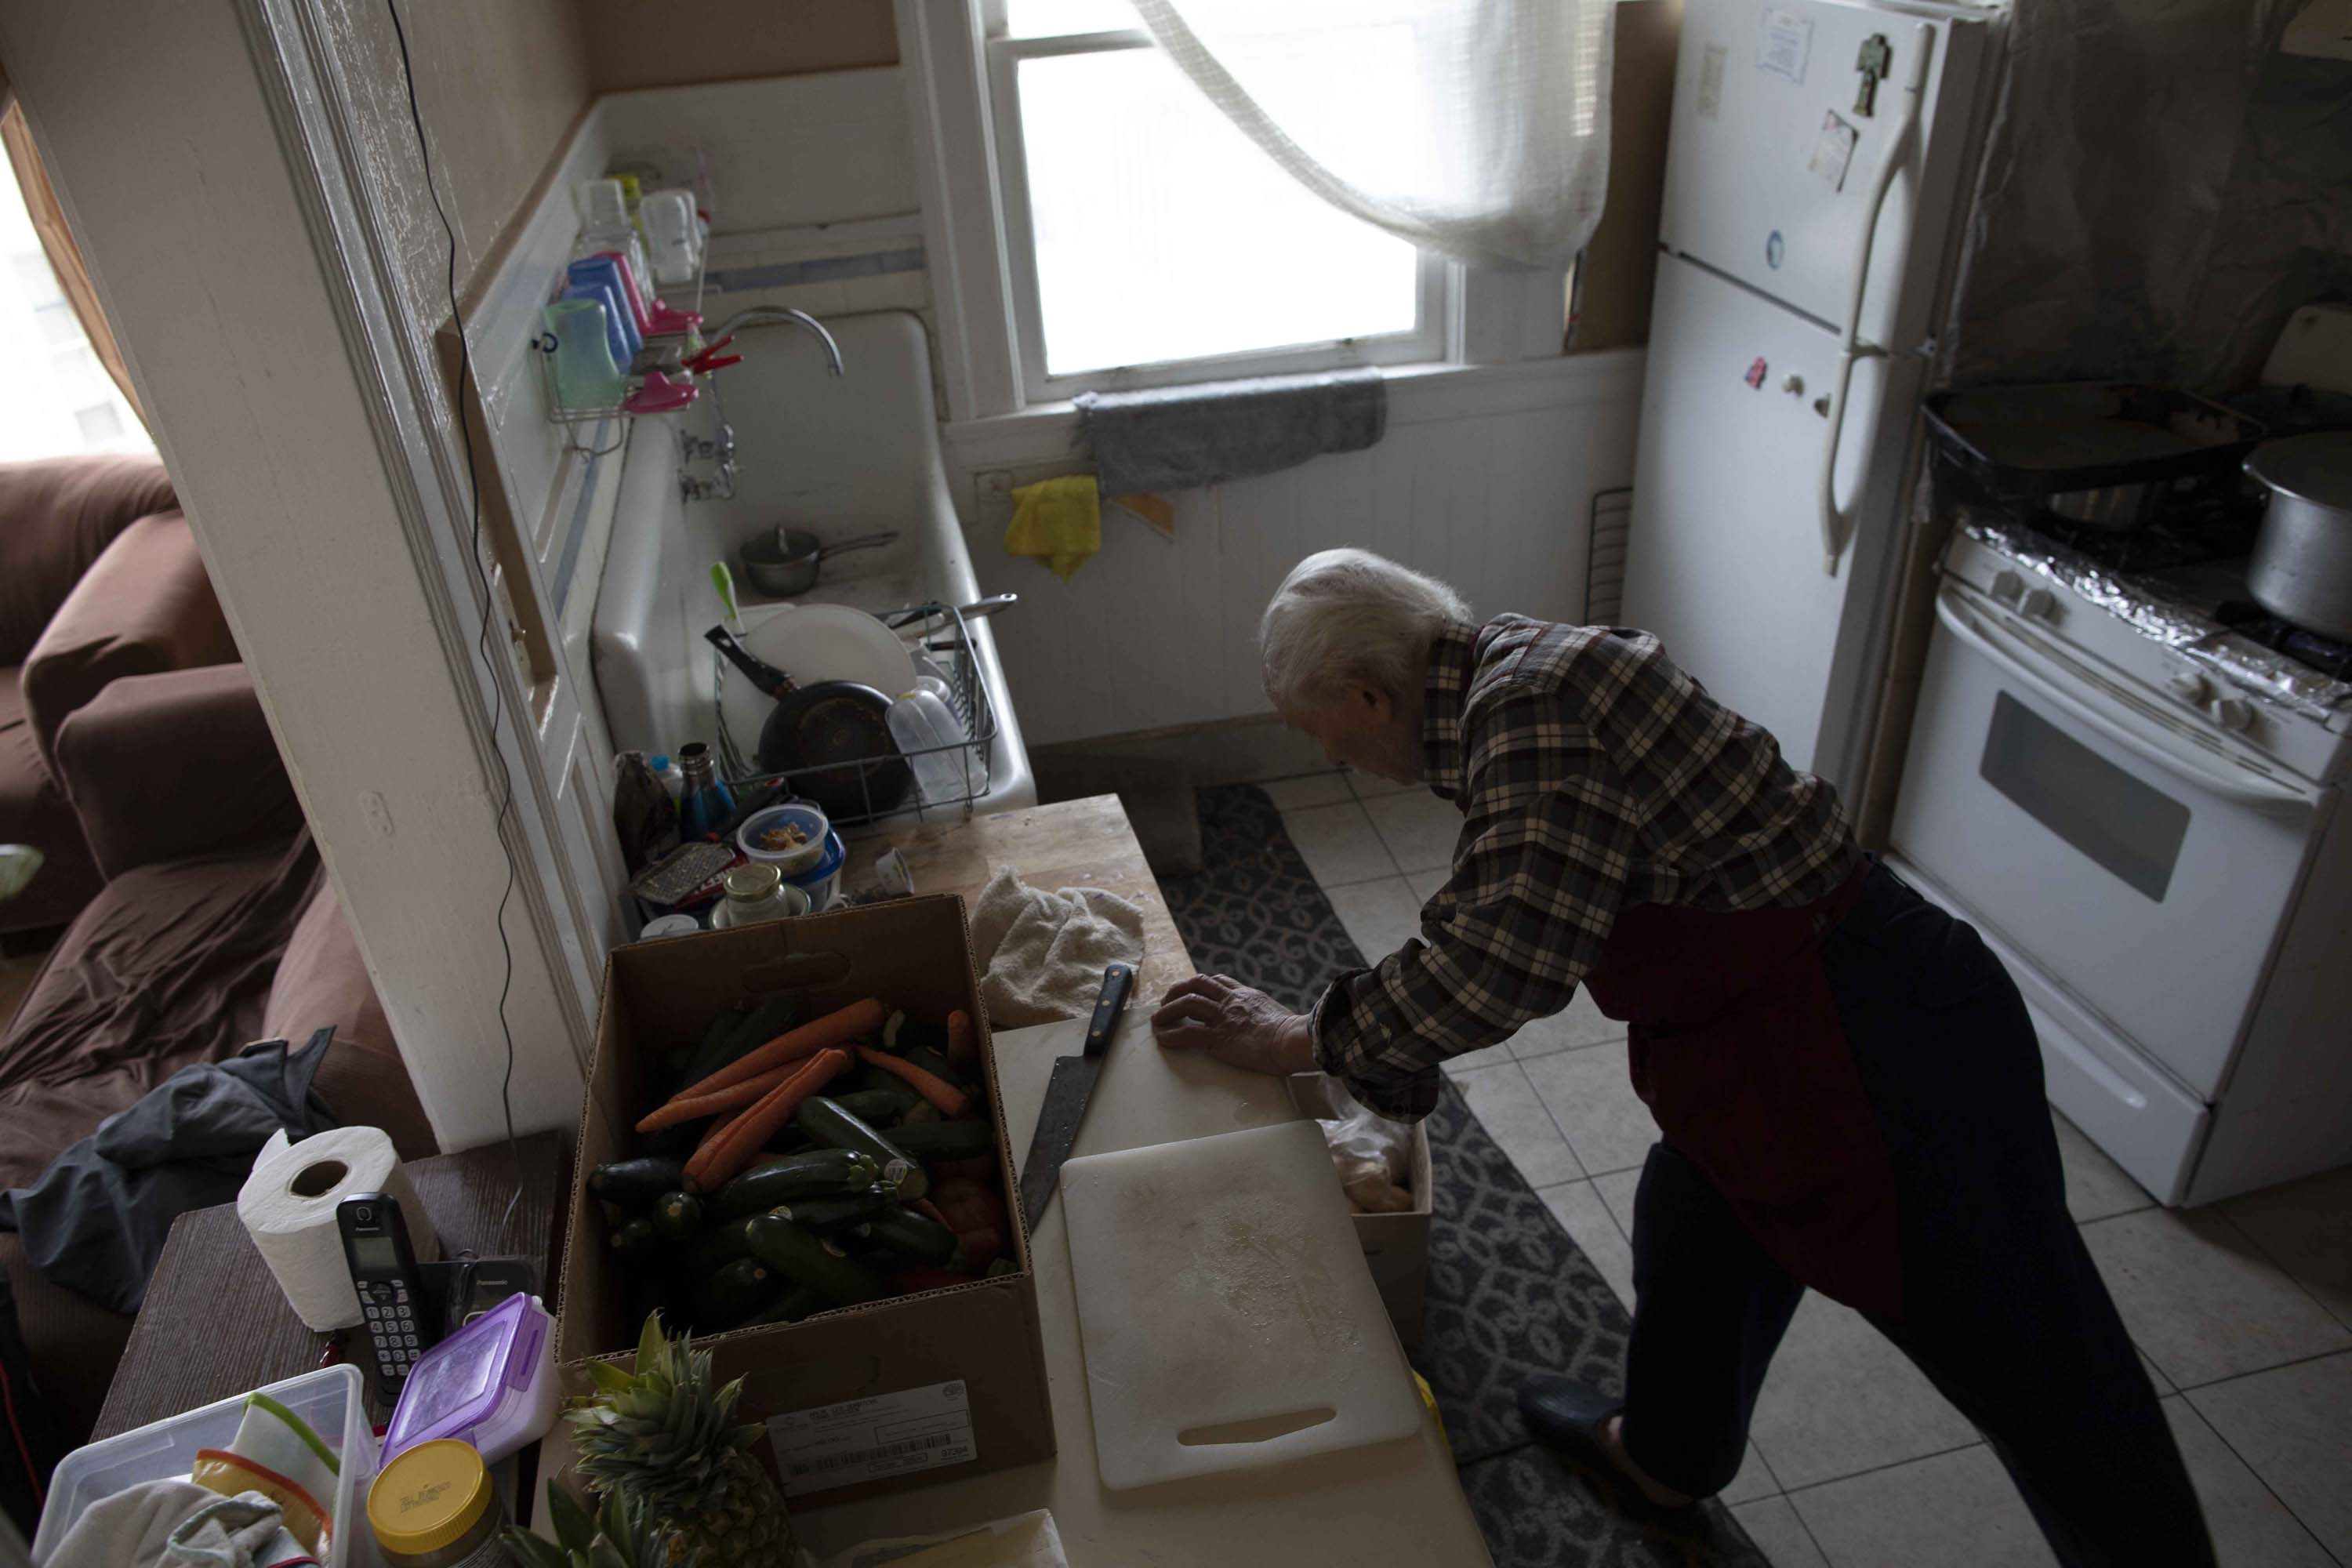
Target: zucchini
(636, 1184)
(797, 1302)
(868, 1076)
(933, 1063)
(902, 1034)
(819, 1264)
(819, 1172)
(678, 1216)
(878, 1107)
(945, 1140)
(910, 1235)
(822, 1216)
(635, 1238)
(722, 1243)
(829, 1122)
(706, 1048)
(734, 1292)
(757, 1028)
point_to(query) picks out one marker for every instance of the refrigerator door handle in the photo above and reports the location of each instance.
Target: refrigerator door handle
(1900, 147)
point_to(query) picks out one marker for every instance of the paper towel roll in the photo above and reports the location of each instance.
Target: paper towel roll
(288, 1205)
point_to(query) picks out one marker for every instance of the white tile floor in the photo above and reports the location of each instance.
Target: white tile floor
(2243, 1310)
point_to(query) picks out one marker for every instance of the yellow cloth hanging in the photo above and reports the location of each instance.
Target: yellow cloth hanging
(1057, 521)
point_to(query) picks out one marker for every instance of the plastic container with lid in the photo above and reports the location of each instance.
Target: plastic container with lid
(757, 892)
(812, 822)
(821, 881)
(492, 1382)
(435, 1507)
(331, 1402)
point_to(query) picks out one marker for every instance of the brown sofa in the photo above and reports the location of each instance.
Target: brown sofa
(99, 579)
(215, 927)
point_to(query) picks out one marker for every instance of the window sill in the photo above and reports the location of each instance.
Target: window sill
(1418, 393)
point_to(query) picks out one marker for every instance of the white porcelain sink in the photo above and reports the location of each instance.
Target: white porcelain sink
(837, 457)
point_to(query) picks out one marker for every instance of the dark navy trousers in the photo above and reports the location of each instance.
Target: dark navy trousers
(2002, 1308)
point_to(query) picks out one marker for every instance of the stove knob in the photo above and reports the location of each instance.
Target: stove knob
(2037, 601)
(2190, 688)
(2007, 586)
(2232, 713)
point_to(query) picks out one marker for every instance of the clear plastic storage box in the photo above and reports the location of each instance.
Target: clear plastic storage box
(491, 1384)
(332, 1401)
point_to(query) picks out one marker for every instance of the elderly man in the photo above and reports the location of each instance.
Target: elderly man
(1846, 1079)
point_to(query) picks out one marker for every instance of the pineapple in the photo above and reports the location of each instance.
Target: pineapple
(618, 1537)
(663, 1441)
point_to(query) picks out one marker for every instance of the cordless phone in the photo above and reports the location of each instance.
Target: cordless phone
(391, 1289)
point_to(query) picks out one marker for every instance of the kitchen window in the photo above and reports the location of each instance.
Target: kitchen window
(1097, 224)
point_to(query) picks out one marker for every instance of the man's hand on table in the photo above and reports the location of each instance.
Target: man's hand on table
(1239, 1026)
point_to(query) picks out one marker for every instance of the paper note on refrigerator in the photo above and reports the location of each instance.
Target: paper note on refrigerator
(1784, 40)
(1834, 152)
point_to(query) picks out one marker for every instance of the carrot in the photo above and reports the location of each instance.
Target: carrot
(969, 1205)
(718, 1163)
(950, 1099)
(734, 1097)
(907, 1281)
(980, 1168)
(930, 1211)
(981, 1247)
(711, 1138)
(835, 1029)
(963, 1040)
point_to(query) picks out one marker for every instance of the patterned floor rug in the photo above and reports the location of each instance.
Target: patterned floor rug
(1509, 1294)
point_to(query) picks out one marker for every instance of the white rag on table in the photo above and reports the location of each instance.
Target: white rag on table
(1042, 954)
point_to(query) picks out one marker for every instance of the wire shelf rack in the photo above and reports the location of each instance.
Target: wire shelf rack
(944, 637)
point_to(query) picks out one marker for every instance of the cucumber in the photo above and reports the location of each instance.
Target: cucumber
(829, 1122)
(734, 1292)
(678, 1216)
(945, 1140)
(878, 1107)
(636, 1184)
(820, 1172)
(633, 1239)
(797, 1302)
(819, 1264)
(910, 1235)
(822, 1216)
(868, 1076)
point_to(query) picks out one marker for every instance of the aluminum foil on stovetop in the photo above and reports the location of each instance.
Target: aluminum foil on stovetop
(2142, 602)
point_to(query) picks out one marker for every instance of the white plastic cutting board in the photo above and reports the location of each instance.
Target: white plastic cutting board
(1220, 1283)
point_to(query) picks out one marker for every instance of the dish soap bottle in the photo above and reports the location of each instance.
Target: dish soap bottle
(705, 802)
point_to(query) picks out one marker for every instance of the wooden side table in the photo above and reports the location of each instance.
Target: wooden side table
(215, 1323)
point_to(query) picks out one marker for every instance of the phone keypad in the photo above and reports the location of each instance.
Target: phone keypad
(392, 1322)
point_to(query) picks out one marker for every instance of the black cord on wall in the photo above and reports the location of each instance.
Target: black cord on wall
(489, 606)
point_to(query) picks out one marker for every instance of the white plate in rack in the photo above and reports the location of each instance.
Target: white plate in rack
(813, 643)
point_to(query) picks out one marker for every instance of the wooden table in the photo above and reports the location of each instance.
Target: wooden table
(215, 1323)
(1071, 844)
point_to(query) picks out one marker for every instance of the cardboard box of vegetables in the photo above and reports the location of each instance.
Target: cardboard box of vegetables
(791, 1143)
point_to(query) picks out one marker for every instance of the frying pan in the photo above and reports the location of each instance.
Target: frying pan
(830, 728)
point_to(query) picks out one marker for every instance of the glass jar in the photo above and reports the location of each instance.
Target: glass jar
(757, 892)
(434, 1507)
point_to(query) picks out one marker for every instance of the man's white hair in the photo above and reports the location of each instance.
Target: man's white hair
(1347, 615)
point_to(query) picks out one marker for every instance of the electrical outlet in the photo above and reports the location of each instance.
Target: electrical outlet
(992, 494)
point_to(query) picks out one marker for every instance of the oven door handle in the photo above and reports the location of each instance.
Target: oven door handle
(2240, 785)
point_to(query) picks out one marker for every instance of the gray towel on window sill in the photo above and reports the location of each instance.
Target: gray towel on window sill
(1182, 438)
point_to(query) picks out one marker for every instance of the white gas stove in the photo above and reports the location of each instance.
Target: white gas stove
(2137, 803)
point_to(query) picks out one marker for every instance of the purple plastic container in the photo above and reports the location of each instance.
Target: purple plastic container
(492, 1383)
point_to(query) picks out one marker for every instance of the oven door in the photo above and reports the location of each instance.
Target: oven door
(2144, 865)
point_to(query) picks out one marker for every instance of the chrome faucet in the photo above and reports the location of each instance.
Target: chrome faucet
(777, 316)
(691, 447)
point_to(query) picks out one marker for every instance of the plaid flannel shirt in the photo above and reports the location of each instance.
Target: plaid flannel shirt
(1592, 775)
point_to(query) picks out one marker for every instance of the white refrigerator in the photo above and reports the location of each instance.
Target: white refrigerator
(1820, 158)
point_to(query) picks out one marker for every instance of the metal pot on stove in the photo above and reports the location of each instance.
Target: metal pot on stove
(2301, 569)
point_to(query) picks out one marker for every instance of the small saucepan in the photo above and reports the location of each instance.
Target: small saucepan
(783, 564)
(2301, 570)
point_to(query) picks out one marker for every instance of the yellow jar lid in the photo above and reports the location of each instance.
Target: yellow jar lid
(429, 1497)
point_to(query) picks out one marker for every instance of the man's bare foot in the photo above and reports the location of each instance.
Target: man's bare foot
(1665, 1496)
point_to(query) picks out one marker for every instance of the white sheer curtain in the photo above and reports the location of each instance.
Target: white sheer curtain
(1477, 129)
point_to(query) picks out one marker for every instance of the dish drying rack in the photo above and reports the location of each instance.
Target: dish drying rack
(946, 639)
(570, 420)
